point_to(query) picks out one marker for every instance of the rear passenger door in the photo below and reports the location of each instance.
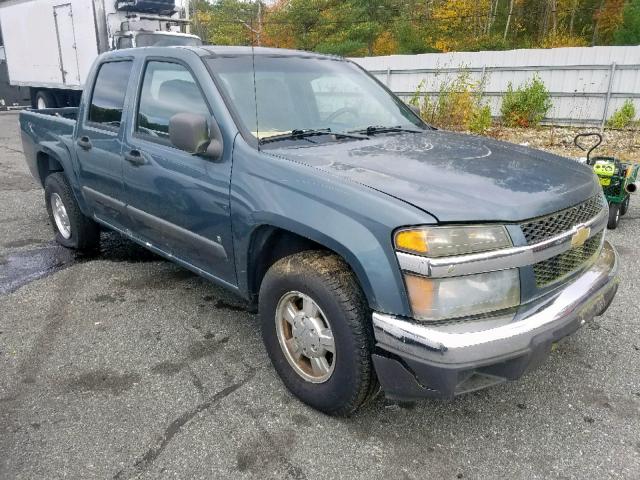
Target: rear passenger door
(99, 141)
(177, 201)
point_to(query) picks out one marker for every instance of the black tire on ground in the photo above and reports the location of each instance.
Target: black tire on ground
(624, 206)
(46, 98)
(329, 281)
(614, 216)
(84, 232)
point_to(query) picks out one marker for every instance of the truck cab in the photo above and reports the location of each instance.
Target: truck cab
(380, 252)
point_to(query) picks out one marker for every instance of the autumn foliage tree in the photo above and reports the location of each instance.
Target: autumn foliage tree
(383, 27)
(628, 32)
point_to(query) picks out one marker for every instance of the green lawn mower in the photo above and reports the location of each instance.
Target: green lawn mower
(617, 178)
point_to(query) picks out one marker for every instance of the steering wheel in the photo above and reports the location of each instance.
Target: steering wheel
(341, 111)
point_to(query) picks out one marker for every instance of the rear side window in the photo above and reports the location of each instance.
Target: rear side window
(167, 89)
(109, 92)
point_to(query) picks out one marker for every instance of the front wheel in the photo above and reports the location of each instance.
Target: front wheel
(317, 331)
(614, 216)
(72, 228)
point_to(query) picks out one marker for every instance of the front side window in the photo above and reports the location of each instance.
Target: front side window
(167, 89)
(109, 91)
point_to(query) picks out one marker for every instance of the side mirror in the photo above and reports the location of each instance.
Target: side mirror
(191, 133)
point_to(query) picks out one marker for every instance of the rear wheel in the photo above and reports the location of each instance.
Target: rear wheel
(614, 216)
(317, 331)
(72, 228)
(624, 206)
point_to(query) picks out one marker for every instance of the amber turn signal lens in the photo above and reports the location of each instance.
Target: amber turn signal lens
(412, 241)
(452, 240)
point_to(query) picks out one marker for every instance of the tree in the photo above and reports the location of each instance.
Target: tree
(380, 27)
(296, 23)
(628, 33)
(506, 28)
(225, 22)
(607, 18)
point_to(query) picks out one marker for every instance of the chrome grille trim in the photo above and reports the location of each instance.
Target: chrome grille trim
(539, 229)
(565, 264)
(497, 259)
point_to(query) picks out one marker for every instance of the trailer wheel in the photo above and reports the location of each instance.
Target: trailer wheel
(45, 99)
(614, 216)
(624, 206)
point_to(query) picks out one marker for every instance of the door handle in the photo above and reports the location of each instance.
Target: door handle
(135, 158)
(84, 143)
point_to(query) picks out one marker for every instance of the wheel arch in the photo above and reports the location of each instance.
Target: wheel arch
(47, 164)
(55, 157)
(269, 242)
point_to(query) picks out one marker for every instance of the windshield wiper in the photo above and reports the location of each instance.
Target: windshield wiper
(308, 132)
(373, 129)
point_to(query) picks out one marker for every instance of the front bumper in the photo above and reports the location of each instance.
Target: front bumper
(416, 359)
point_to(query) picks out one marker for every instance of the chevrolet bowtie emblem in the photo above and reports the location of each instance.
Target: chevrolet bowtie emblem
(581, 236)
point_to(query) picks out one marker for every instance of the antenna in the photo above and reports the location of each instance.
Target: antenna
(255, 87)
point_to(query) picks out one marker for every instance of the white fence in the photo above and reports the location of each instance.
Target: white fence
(587, 84)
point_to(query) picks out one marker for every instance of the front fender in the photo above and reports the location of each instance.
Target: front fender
(354, 221)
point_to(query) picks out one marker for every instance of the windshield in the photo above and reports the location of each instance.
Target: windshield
(299, 94)
(162, 40)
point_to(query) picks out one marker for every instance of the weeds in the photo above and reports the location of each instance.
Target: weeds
(623, 117)
(458, 105)
(527, 105)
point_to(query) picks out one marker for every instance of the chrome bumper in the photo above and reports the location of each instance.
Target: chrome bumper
(471, 343)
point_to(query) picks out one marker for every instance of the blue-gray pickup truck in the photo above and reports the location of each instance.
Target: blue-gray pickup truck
(380, 252)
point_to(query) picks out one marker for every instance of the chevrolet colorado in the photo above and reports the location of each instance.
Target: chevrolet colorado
(381, 252)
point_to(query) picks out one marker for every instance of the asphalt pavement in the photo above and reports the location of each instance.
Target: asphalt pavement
(127, 366)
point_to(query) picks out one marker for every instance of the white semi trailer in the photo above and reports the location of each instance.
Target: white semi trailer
(51, 44)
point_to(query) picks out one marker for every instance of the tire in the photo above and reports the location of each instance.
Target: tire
(327, 280)
(624, 206)
(44, 99)
(614, 216)
(77, 231)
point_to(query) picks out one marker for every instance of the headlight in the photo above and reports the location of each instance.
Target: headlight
(454, 297)
(447, 241)
(463, 296)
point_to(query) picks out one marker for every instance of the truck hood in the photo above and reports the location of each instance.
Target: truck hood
(456, 177)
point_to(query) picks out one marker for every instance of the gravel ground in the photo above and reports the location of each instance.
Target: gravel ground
(126, 366)
(624, 144)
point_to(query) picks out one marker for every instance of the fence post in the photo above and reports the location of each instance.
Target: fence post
(612, 72)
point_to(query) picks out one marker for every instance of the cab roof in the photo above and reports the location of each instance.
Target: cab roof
(219, 51)
(223, 50)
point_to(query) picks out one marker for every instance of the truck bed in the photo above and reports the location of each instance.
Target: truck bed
(47, 132)
(70, 113)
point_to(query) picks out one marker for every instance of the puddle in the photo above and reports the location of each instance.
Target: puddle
(22, 267)
(18, 269)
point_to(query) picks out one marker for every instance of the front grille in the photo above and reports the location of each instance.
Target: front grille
(555, 268)
(542, 228)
